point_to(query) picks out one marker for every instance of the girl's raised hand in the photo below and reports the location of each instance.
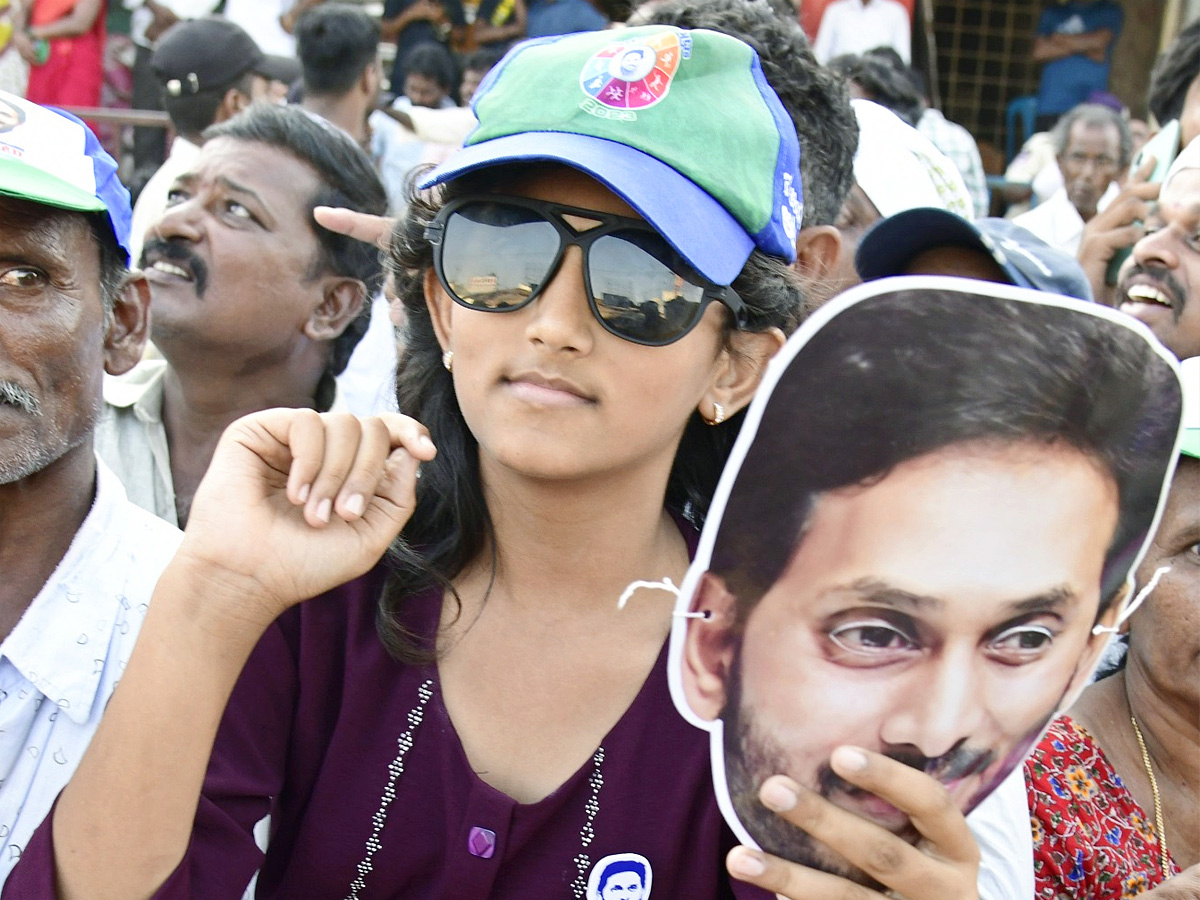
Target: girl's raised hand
(295, 503)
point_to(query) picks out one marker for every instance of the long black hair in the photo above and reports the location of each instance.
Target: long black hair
(451, 525)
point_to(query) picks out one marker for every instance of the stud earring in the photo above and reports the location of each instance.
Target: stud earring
(448, 360)
(718, 415)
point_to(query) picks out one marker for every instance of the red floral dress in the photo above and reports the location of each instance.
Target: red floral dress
(1090, 838)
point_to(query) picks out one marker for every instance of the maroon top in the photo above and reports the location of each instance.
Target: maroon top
(324, 721)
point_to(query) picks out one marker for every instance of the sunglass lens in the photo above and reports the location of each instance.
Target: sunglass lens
(637, 290)
(494, 256)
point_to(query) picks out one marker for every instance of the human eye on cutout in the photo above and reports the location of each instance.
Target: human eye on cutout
(870, 640)
(1021, 643)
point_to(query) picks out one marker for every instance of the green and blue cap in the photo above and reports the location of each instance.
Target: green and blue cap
(49, 156)
(680, 124)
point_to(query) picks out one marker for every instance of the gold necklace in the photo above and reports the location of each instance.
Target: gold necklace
(1158, 814)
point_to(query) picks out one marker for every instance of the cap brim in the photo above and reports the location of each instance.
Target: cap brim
(32, 183)
(697, 226)
(891, 245)
(278, 68)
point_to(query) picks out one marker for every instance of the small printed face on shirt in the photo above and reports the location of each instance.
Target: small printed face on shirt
(621, 876)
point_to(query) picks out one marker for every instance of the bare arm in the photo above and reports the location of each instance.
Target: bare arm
(288, 20)
(78, 21)
(1049, 47)
(487, 33)
(293, 504)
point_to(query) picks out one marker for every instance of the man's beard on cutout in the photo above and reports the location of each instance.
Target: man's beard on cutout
(751, 757)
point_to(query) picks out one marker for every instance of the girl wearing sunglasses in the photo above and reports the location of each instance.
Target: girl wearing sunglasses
(593, 292)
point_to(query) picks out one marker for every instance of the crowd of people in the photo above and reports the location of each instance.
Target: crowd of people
(428, 386)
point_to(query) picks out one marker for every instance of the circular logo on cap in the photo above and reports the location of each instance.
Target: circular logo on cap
(633, 74)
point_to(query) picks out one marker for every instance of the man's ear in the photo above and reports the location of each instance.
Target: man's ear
(439, 308)
(710, 647)
(741, 369)
(232, 103)
(341, 300)
(128, 325)
(818, 250)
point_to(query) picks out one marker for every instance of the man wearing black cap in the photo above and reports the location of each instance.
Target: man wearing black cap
(930, 241)
(208, 69)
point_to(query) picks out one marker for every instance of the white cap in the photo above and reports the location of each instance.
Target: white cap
(899, 168)
(1188, 158)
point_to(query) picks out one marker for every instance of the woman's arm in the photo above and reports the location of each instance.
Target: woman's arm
(78, 21)
(293, 504)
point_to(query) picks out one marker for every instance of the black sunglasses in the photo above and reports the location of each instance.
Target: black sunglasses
(496, 253)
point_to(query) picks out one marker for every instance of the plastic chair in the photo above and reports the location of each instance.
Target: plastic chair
(1024, 110)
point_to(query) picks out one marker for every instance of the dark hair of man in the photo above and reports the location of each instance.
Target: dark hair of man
(1173, 74)
(482, 60)
(910, 373)
(817, 102)
(335, 42)
(348, 179)
(113, 265)
(190, 114)
(451, 524)
(434, 62)
(882, 83)
(1093, 115)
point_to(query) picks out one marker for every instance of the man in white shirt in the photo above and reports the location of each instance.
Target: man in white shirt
(79, 561)
(856, 26)
(1092, 145)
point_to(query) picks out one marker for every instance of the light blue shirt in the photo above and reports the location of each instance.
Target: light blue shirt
(60, 664)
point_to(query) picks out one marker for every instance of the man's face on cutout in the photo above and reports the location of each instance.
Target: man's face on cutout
(938, 616)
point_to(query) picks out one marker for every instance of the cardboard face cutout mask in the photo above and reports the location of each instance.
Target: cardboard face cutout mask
(931, 513)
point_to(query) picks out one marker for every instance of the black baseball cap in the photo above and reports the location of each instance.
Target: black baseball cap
(202, 54)
(1028, 261)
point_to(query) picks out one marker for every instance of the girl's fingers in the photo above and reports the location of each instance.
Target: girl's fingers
(928, 804)
(343, 433)
(791, 880)
(363, 227)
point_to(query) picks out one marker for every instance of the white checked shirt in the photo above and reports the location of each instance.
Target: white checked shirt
(60, 664)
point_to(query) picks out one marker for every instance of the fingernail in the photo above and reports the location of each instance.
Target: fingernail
(425, 441)
(777, 796)
(849, 759)
(355, 503)
(323, 509)
(303, 492)
(746, 863)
